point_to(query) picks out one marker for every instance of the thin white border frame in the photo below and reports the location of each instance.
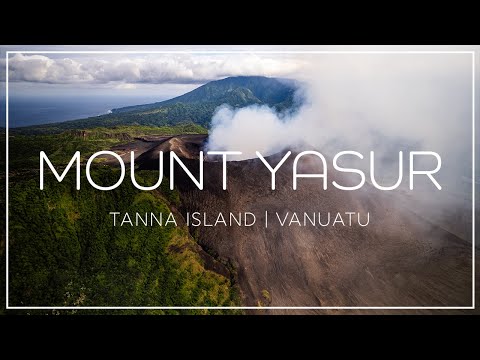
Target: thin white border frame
(472, 307)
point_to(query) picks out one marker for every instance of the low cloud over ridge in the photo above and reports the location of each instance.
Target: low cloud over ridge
(158, 69)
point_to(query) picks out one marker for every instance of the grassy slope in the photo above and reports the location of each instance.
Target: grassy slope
(65, 251)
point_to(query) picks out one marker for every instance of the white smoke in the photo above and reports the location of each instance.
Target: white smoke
(250, 129)
(354, 101)
(362, 102)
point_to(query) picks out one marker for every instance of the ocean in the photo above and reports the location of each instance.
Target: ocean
(26, 111)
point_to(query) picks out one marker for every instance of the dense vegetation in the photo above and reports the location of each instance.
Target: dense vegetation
(64, 249)
(235, 91)
(195, 107)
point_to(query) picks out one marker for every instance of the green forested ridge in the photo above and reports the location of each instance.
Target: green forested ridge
(196, 107)
(235, 91)
(64, 249)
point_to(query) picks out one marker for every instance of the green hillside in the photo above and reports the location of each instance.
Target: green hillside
(196, 107)
(65, 251)
(235, 91)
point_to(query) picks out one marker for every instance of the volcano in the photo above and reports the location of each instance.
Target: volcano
(400, 259)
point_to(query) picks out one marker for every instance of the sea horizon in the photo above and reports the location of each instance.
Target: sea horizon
(38, 110)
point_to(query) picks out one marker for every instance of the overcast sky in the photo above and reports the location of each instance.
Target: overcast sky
(167, 75)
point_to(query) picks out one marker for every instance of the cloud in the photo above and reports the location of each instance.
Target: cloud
(38, 68)
(125, 86)
(158, 69)
(384, 103)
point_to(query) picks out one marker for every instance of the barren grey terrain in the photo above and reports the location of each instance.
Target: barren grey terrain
(399, 259)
